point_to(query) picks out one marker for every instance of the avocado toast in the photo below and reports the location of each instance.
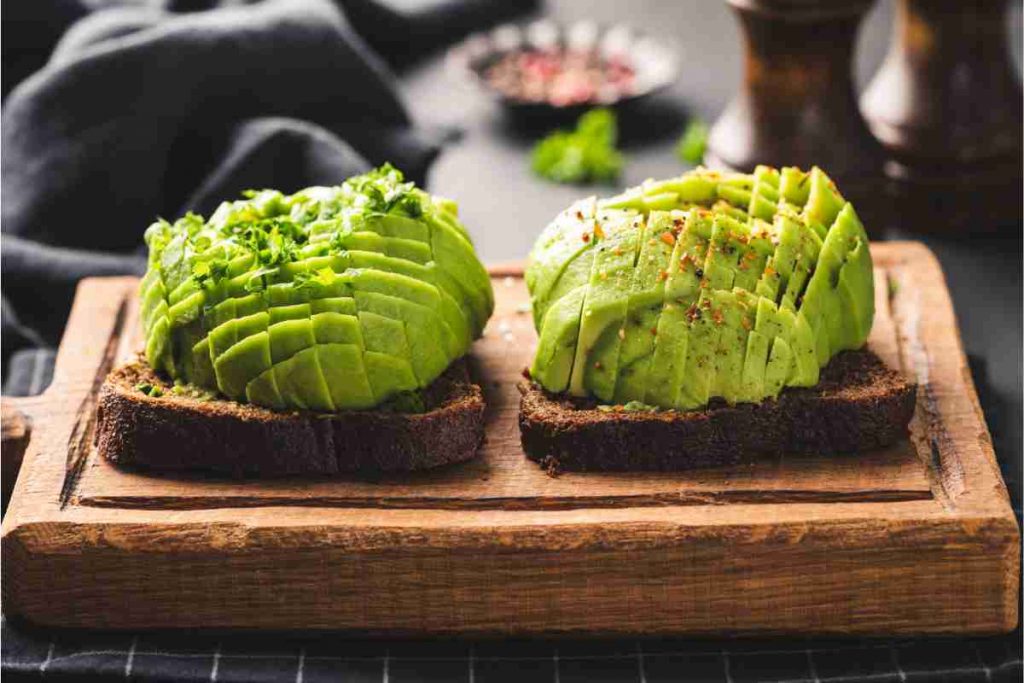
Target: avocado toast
(704, 319)
(316, 332)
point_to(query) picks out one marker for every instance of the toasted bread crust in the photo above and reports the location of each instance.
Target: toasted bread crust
(859, 404)
(183, 433)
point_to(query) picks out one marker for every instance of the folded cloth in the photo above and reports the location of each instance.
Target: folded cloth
(402, 30)
(135, 111)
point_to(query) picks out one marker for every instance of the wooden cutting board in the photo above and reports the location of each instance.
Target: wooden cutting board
(918, 538)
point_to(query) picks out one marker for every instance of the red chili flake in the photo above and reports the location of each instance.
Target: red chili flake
(668, 238)
(693, 313)
(654, 331)
(717, 316)
(579, 215)
(586, 237)
(769, 271)
(662, 274)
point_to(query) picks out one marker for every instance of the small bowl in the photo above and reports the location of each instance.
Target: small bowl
(637, 64)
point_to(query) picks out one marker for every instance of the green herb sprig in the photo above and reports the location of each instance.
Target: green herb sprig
(586, 154)
(693, 142)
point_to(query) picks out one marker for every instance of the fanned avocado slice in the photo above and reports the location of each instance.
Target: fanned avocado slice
(253, 303)
(301, 381)
(646, 300)
(730, 255)
(158, 344)
(423, 328)
(823, 201)
(336, 328)
(778, 368)
(187, 310)
(386, 355)
(736, 189)
(794, 186)
(556, 348)
(263, 391)
(751, 261)
(288, 337)
(560, 247)
(700, 369)
(417, 251)
(698, 187)
(388, 375)
(754, 362)
(241, 364)
(293, 312)
(338, 304)
(682, 289)
(296, 369)
(764, 199)
(153, 295)
(604, 307)
(734, 312)
(345, 374)
(461, 332)
(856, 292)
(202, 372)
(452, 253)
(401, 227)
(822, 303)
(186, 338)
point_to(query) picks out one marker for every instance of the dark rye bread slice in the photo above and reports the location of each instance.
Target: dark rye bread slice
(173, 432)
(859, 404)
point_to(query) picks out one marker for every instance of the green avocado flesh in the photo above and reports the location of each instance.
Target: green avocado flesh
(710, 285)
(333, 298)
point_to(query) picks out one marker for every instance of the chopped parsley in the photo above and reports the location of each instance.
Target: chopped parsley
(151, 390)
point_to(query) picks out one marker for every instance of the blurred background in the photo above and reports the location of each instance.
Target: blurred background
(117, 112)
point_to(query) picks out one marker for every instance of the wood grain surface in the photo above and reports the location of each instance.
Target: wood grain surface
(918, 538)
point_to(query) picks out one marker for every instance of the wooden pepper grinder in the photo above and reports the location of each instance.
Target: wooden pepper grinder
(947, 107)
(797, 104)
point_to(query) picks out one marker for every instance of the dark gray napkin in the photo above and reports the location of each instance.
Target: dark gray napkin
(143, 110)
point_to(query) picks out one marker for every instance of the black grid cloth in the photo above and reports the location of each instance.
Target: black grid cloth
(28, 655)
